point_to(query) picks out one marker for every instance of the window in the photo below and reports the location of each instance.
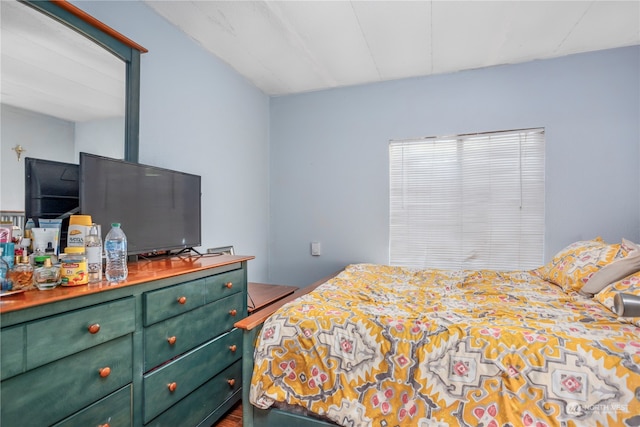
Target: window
(468, 202)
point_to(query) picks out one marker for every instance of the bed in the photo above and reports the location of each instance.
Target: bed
(378, 345)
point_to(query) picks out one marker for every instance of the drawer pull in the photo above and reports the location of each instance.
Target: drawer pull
(182, 300)
(231, 382)
(105, 372)
(229, 285)
(94, 329)
(172, 387)
(172, 340)
(233, 348)
(233, 312)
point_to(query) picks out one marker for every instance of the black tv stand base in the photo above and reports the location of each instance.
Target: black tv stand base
(163, 254)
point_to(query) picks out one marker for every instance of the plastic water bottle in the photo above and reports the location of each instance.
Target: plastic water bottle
(93, 249)
(115, 248)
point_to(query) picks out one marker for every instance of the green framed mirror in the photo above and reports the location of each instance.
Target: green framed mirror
(113, 42)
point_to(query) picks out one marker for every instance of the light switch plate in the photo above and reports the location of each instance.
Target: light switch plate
(315, 248)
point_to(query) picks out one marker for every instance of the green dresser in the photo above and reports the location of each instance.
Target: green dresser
(159, 352)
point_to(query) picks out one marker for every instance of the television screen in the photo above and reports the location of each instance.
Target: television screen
(51, 191)
(158, 209)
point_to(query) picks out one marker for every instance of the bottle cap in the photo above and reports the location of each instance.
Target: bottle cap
(80, 220)
(41, 259)
(74, 250)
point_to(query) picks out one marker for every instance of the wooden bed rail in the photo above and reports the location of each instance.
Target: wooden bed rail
(258, 318)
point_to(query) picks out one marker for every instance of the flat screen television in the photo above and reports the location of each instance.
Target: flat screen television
(51, 190)
(158, 209)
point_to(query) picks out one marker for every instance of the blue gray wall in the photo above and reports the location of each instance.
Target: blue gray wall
(329, 158)
(197, 115)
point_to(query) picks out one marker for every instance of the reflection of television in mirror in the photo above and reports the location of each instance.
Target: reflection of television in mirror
(51, 191)
(158, 209)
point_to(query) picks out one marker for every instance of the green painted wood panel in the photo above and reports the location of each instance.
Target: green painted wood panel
(210, 401)
(12, 351)
(52, 392)
(216, 287)
(114, 410)
(188, 372)
(165, 303)
(59, 336)
(190, 330)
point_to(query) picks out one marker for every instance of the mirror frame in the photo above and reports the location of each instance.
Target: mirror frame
(114, 42)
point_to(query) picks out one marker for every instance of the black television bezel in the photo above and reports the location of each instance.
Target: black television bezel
(160, 250)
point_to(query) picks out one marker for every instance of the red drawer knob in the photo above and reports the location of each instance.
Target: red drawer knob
(104, 425)
(231, 382)
(172, 340)
(233, 348)
(94, 329)
(172, 387)
(104, 372)
(182, 300)
(233, 312)
(229, 285)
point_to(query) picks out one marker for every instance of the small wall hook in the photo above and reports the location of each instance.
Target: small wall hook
(19, 150)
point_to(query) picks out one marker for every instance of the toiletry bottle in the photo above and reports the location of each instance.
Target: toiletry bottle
(79, 226)
(51, 252)
(93, 250)
(28, 235)
(37, 257)
(23, 274)
(29, 224)
(48, 276)
(6, 283)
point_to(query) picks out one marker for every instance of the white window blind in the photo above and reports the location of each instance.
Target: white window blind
(468, 201)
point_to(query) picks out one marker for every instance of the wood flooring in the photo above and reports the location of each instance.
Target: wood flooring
(233, 418)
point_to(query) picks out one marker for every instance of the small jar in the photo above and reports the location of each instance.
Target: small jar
(73, 266)
(48, 276)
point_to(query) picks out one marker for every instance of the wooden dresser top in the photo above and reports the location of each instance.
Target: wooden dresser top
(139, 272)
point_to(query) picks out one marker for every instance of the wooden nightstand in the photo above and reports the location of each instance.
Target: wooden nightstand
(260, 295)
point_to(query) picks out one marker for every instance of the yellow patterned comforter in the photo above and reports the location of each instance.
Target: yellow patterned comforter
(390, 346)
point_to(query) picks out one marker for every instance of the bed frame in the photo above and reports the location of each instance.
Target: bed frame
(251, 326)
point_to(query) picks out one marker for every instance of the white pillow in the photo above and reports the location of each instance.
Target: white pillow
(614, 271)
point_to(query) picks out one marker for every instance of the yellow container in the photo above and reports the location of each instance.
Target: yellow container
(79, 226)
(73, 267)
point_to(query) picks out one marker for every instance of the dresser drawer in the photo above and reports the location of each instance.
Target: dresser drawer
(172, 301)
(54, 391)
(222, 285)
(113, 411)
(167, 385)
(59, 336)
(11, 351)
(172, 337)
(209, 401)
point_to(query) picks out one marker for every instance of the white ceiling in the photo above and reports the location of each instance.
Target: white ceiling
(287, 47)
